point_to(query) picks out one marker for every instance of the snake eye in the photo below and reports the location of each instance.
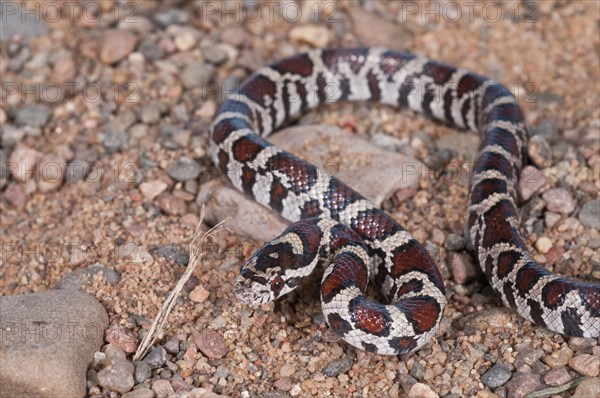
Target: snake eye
(277, 284)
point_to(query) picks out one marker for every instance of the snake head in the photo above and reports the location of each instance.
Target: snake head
(275, 269)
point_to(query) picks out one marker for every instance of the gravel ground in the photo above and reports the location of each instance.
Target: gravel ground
(111, 109)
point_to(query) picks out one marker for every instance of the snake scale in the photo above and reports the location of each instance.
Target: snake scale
(335, 226)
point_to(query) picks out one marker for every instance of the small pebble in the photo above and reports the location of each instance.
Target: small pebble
(212, 344)
(590, 214)
(582, 344)
(530, 181)
(543, 244)
(557, 376)
(586, 364)
(185, 40)
(22, 162)
(15, 195)
(140, 392)
(455, 242)
(539, 151)
(462, 267)
(118, 376)
(151, 189)
(551, 218)
(36, 115)
(170, 16)
(116, 44)
(497, 376)
(122, 337)
(50, 172)
(162, 388)
(559, 200)
(559, 358)
(142, 371)
(174, 252)
(115, 140)
(522, 384)
(156, 358)
(184, 169)
(316, 35)
(420, 390)
(172, 345)
(113, 353)
(338, 366)
(215, 55)
(199, 294)
(196, 74)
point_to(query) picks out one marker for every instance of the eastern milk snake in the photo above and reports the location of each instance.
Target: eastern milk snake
(336, 226)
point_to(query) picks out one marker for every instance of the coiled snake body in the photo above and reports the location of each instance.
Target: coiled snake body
(334, 224)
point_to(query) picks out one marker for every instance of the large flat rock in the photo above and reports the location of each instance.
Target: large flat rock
(47, 341)
(374, 172)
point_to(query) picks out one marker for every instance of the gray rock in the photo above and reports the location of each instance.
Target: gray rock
(19, 21)
(174, 252)
(338, 366)
(156, 357)
(184, 169)
(170, 16)
(172, 346)
(196, 74)
(51, 362)
(547, 130)
(112, 353)
(11, 135)
(142, 371)
(360, 164)
(115, 140)
(117, 376)
(528, 356)
(80, 278)
(36, 115)
(497, 376)
(151, 113)
(215, 54)
(151, 50)
(455, 242)
(590, 214)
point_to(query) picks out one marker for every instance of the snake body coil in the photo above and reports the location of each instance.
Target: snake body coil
(336, 225)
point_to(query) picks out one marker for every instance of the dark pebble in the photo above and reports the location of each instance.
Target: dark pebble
(33, 115)
(184, 169)
(156, 358)
(455, 242)
(174, 252)
(115, 140)
(171, 16)
(142, 372)
(172, 346)
(497, 376)
(151, 50)
(337, 367)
